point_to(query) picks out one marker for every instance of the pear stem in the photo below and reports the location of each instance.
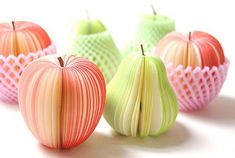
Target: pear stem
(13, 25)
(142, 49)
(153, 9)
(189, 36)
(87, 14)
(61, 61)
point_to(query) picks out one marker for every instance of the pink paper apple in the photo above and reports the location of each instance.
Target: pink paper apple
(62, 99)
(196, 67)
(20, 43)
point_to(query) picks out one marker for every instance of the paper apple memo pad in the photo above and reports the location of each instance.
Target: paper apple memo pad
(20, 43)
(195, 49)
(196, 66)
(140, 100)
(62, 99)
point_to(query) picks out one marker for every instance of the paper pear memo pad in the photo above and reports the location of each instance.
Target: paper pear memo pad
(93, 41)
(140, 100)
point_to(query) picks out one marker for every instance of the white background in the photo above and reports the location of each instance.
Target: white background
(209, 132)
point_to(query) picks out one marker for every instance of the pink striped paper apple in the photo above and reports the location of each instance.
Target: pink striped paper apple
(62, 99)
(196, 67)
(20, 43)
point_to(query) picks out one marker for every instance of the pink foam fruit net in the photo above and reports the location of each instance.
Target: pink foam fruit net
(10, 69)
(197, 87)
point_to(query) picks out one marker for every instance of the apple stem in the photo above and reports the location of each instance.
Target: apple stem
(13, 25)
(142, 49)
(87, 14)
(153, 9)
(189, 36)
(61, 61)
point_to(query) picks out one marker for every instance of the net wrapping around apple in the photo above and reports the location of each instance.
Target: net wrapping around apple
(62, 99)
(94, 42)
(140, 100)
(196, 87)
(20, 43)
(150, 29)
(196, 67)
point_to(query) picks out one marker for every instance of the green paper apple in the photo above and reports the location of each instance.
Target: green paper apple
(140, 100)
(150, 29)
(95, 42)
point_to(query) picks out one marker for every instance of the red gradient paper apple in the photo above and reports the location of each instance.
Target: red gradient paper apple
(196, 66)
(195, 49)
(62, 99)
(20, 43)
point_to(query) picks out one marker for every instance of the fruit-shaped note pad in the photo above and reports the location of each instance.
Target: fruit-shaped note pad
(62, 99)
(196, 67)
(93, 41)
(149, 30)
(140, 100)
(20, 43)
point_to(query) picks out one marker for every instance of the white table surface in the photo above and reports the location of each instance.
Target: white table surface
(206, 133)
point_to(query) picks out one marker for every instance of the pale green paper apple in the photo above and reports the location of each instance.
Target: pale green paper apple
(150, 29)
(95, 42)
(140, 100)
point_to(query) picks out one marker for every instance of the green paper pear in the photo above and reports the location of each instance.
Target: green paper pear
(89, 26)
(95, 42)
(150, 29)
(140, 100)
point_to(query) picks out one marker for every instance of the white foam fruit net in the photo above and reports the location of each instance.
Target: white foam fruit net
(195, 88)
(11, 68)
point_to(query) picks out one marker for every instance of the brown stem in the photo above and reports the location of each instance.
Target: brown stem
(153, 9)
(15, 41)
(189, 36)
(61, 61)
(142, 49)
(13, 25)
(188, 48)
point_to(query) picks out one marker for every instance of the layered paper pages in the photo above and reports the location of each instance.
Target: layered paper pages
(62, 104)
(140, 100)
